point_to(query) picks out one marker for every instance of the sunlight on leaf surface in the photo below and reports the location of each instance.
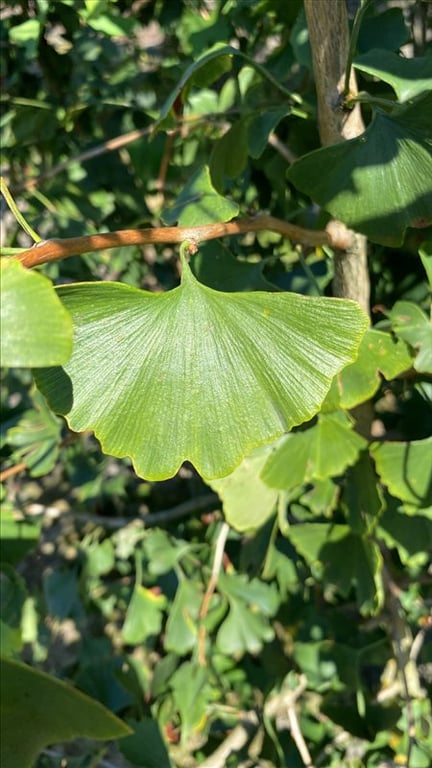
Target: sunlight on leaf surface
(379, 183)
(195, 374)
(36, 328)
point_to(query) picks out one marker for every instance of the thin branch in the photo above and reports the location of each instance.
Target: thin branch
(11, 471)
(297, 734)
(203, 503)
(234, 742)
(402, 643)
(107, 146)
(211, 586)
(56, 249)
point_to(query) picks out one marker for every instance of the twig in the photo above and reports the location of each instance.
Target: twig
(107, 146)
(401, 641)
(200, 504)
(297, 734)
(53, 250)
(11, 471)
(234, 742)
(282, 148)
(211, 586)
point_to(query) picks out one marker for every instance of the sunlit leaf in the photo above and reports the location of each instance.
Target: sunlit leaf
(359, 180)
(194, 374)
(182, 624)
(144, 615)
(36, 329)
(379, 352)
(406, 470)
(191, 695)
(51, 710)
(413, 326)
(322, 451)
(247, 501)
(408, 77)
(246, 628)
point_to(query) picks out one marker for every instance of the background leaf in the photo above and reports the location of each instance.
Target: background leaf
(36, 328)
(359, 179)
(408, 77)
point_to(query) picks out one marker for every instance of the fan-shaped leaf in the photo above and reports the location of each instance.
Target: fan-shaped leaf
(323, 451)
(194, 374)
(247, 501)
(406, 470)
(408, 77)
(359, 181)
(36, 328)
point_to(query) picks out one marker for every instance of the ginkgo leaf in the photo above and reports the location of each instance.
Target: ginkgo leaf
(35, 327)
(49, 711)
(359, 181)
(247, 501)
(196, 374)
(322, 451)
(407, 77)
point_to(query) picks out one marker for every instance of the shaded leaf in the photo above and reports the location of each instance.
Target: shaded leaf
(407, 77)
(144, 615)
(36, 328)
(387, 29)
(215, 266)
(322, 451)
(359, 180)
(247, 501)
(410, 534)
(18, 536)
(194, 374)
(200, 203)
(347, 560)
(35, 438)
(145, 747)
(51, 710)
(406, 470)
(230, 153)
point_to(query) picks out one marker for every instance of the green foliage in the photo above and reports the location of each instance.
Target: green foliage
(36, 328)
(279, 583)
(186, 338)
(65, 714)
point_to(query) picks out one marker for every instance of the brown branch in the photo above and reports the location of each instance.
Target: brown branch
(107, 146)
(56, 249)
(11, 471)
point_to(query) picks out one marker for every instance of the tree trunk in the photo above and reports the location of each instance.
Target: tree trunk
(327, 22)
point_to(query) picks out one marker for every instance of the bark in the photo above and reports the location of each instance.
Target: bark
(327, 22)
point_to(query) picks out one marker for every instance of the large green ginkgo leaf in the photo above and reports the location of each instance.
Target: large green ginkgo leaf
(381, 182)
(196, 374)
